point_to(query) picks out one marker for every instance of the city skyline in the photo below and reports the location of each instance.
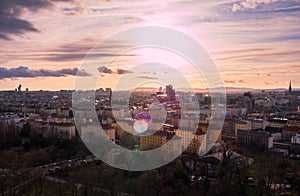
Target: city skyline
(229, 90)
(254, 43)
(160, 97)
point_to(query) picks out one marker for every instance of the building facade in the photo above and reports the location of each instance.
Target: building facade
(255, 137)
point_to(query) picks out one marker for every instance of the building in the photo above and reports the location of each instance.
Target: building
(276, 122)
(242, 125)
(171, 143)
(120, 113)
(289, 131)
(155, 140)
(170, 91)
(255, 137)
(203, 127)
(228, 130)
(8, 127)
(168, 143)
(245, 102)
(7, 130)
(191, 142)
(257, 124)
(88, 131)
(276, 136)
(295, 139)
(189, 122)
(233, 110)
(196, 143)
(19, 88)
(295, 121)
(57, 130)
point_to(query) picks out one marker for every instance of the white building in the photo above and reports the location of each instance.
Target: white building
(188, 136)
(296, 139)
(90, 130)
(57, 130)
(276, 136)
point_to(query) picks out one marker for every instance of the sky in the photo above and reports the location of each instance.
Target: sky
(44, 43)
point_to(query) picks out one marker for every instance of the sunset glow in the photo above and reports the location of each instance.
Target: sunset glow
(254, 43)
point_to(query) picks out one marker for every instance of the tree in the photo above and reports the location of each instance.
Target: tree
(11, 130)
(167, 191)
(110, 177)
(226, 165)
(2, 130)
(206, 184)
(25, 131)
(2, 182)
(41, 184)
(154, 181)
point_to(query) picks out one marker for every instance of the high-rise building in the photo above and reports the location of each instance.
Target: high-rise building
(228, 129)
(290, 86)
(170, 91)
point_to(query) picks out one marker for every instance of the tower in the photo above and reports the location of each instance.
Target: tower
(170, 91)
(19, 88)
(290, 87)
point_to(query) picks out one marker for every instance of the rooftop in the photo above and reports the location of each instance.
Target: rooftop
(254, 133)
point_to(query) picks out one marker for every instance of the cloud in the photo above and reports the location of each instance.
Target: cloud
(12, 25)
(264, 54)
(239, 51)
(235, 82)
(123, 71)
(4, 37)
(74, 72)
(11, 22)
(250, 4)
(104, 69)
(25, 72)
(148, 77)
(72, 51)
(229, 81)
(71, 10)
(66, 52)
(105, 10)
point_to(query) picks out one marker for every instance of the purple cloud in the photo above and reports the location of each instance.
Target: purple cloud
(25, 72)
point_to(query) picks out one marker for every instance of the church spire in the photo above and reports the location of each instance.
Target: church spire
(290, 87)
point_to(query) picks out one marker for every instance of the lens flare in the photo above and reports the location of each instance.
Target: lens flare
(142, 122)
